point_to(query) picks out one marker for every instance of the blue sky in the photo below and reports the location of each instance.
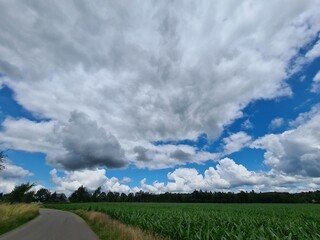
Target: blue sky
(167, 97)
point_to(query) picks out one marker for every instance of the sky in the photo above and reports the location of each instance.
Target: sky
(160, 96)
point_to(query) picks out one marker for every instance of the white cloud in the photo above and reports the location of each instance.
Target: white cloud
(226, 176)
(235, 142)
(276, 123)
(247, 124)
(27, 135)
(156, 187)
(317, 77)
(295, 151)
(314, 52)
(113, 184)
(301, 61)
(185, 180)
(126, 180)
(316, 83)
(91, 179)
(305, 117)
(11, 176)
(164, 70)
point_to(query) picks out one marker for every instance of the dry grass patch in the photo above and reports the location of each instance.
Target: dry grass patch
(14, 215)
(108, 228)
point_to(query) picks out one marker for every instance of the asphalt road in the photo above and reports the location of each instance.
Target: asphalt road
(53, 225)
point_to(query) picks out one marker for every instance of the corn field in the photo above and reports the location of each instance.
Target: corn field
(214, 221)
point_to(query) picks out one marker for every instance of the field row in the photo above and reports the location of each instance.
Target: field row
(214, 221)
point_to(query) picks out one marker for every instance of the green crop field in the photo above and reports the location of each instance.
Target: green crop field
(214, 221)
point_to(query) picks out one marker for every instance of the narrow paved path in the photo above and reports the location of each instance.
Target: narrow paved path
(53, 225)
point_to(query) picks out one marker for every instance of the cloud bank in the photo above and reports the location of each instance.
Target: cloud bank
(110, 78)
(225, 176)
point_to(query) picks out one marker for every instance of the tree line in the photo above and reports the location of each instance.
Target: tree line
(23, 193)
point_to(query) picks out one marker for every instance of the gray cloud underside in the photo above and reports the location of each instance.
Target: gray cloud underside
(180, 155)
(85, 145)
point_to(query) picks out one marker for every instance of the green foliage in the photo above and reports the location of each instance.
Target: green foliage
(42, 195)
(80, 195)
(96, 195)
(57, 198)
(21, 194)
(215, 221)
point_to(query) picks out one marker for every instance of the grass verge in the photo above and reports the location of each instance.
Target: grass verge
(14, 215)
(109, 229)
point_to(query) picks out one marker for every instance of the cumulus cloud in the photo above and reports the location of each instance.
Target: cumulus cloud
(168, 155)
(11, 176)
(126, 180)
(164, 70)
(225, 176)
(305, 116)
(156, 187)
(302, 60)
(235, 142)
(26, 135)
(314, 52)
(76, 144)
(247, 124)
(276, 123)
(316, 83)
(91, 179)
(85, 145)
(141, 154)
(295, 151)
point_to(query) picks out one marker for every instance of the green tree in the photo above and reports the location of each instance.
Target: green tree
(80, 195)
(103, 197)
(57, 198)
(42, 195)
(123, 197)
(21, 193)
(96, 195)
(111, 197)
(130, 197)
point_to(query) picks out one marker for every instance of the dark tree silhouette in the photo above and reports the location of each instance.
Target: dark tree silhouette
(57, 198)
(197, 196)
(21, 193)
(96, 195)
(80, 195)
(42, 195)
